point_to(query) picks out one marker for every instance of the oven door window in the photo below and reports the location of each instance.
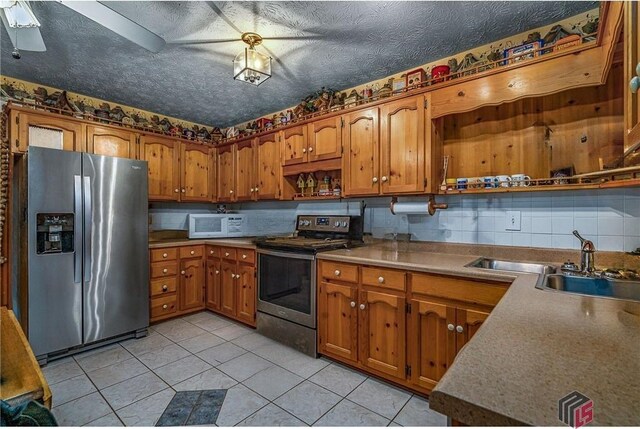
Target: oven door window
(286, 282)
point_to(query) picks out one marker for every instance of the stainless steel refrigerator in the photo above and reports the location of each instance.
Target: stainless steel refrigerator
(86, 258)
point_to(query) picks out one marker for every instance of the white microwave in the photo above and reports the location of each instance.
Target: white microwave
(216, 225)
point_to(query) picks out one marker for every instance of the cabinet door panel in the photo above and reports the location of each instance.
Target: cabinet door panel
(162, 156)
(402, 146)
(72, 132)
(338, 320)
(295, 145)
(244, 171)
(470, 321)
(191, 288)
(111, 142)
(226, 173)
(214, 278)
(361, 162)
(196, 169)
(246, 283)
(431, 344)
(325, 138)
(382, 332)
(269, 167)
(228, 288)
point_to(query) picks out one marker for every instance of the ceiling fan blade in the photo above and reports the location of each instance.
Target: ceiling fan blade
(224, 17)
(117, 23)
(26, 38)
(202, 41)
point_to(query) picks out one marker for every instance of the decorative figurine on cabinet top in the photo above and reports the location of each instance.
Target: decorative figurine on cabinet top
(415, 78)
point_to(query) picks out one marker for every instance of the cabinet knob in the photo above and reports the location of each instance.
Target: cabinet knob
(251, 190)
(176, 190)
(193, 252)
(165, 288)
(244, 256)
(256, 189)
(304, 150)
(210, 252)
(182, 272)
(380, 279)
(226, 253)
(450, 327)
(337, 273)
(375, 180)
(217, 271)
(384, 178)
(231, 191)
(310, 149)
(165, 271)
(353, 304)
(233, 276)
(634, 84)
(361, 306)
(459, 329)
(164, 307)
(164, 255)
(183, 190)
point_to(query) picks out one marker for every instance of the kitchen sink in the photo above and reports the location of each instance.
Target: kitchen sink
(520, 267)
(592, 286)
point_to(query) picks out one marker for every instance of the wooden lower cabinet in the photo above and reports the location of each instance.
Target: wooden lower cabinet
(246, 299)
(228, 288)
(213, 283)
(393, 330)
(192, 285)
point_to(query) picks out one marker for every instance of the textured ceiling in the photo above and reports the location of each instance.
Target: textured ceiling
(347, 43)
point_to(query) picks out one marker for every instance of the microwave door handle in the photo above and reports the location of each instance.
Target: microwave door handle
(77, 209)
(88, 215)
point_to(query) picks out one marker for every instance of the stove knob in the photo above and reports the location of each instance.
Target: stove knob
(344, 224)
(337, 223)
(307, 222)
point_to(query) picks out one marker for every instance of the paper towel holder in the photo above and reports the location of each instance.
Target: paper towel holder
(432, 206)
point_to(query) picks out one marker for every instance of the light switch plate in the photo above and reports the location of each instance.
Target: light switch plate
(513, 221)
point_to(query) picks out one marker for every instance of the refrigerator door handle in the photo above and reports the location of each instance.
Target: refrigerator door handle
(77, 208)
(88, 215)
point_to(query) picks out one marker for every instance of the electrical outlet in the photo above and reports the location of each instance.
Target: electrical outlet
(513, 221)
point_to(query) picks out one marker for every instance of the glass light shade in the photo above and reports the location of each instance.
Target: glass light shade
(252, 67)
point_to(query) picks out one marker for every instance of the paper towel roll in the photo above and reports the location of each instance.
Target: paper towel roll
(410, 208)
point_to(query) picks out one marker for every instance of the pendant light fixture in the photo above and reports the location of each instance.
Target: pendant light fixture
(250, 65)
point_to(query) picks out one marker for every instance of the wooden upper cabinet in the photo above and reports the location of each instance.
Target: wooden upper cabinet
(338, 320)
(295, 145)
(383, 332)
(325, 139)
(196, 183)
(361, 161)
(402, 146)
(268, 175)
(245, 171)
(431, 344)
(162, 156)
(631, 60)
(191, 287)
(226, 173)
(68, 134)
(111, 141)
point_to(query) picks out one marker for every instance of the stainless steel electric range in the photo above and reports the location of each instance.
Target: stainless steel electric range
(287, 277)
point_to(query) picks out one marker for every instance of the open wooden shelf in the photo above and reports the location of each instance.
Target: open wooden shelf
(316, 197)
(539, 188)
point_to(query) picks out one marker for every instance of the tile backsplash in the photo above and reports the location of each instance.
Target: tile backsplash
(610, 218)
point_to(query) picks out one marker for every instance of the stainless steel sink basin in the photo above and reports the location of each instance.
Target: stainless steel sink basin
(592, 286)
(520, 267)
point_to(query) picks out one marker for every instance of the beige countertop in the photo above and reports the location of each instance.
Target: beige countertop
(535, 348)
(244, 242)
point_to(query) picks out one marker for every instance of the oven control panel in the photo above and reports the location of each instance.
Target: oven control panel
(324, 223)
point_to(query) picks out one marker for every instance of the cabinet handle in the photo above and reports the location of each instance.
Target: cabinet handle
(217, 272)
(176, 190)
(226, 253)
(164, 307)
(183, 190)
(165, 271)
(165, 288)
(353, 304)
(384, 178)
(361, 306)
(244, 256)
(252, 190)
(459, 329)
(256, 189)
(304, 150)
(450, 327)
(164, 255)
(182, 272)
(375, 180)
(337, 273)
(210, 252)
(380, 279)
(193, 252)
(231, 191)
(310, 149)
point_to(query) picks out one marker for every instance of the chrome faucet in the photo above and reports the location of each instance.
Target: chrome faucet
(587, 250)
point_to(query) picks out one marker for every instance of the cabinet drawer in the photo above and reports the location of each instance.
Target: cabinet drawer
(247, 256)
(191, 252)
(338, 271)
(164, 305)
(167, 254)
(163, 286)
(164, 269)
(477, 292)
(212, 252)
(228, 253)
(382, 277)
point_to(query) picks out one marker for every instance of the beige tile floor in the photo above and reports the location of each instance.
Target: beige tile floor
(131, 383)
